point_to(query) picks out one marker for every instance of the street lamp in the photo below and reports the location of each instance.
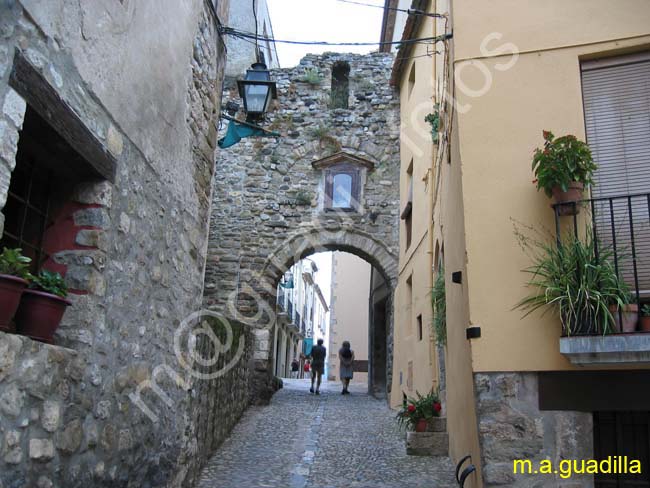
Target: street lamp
(257, 90)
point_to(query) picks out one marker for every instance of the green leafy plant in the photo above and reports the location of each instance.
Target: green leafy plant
(421, 407)
(13, 263)
(562, 161)
(325, 139)
(577, 282)
(311, 76)
(645, 310)
(365, 85)
(50, 282)
(303, 197)
(439, 306)
(434, 120)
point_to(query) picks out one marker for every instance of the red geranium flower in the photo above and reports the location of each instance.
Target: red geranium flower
(437, 406)
(546, 134)
(411, 408)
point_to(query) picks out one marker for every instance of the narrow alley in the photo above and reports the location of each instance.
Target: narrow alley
(328, 441)
(445, 204)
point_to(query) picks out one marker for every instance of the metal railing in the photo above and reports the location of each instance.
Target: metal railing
(621, 225)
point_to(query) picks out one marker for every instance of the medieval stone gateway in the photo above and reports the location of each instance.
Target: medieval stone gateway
(329, 182)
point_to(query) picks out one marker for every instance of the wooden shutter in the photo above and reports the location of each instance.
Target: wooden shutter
(616, 94)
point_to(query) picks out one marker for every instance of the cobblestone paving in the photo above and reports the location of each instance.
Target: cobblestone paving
(327, 441)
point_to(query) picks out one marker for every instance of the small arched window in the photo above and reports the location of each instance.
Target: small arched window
(340, 85)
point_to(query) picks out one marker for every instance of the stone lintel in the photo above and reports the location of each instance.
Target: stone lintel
(30, 83)
(342, 157)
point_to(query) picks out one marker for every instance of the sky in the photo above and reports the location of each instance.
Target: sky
(323, 20)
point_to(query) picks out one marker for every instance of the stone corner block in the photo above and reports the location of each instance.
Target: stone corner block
(94, 193)
(427, 444)
(92, 217)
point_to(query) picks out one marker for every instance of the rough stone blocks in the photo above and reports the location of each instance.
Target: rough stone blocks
(427, 443)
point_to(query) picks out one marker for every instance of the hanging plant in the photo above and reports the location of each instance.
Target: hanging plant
(434, 120)
(439, 306)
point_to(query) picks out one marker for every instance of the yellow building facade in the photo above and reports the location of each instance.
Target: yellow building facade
(415, 362)
(513, 387)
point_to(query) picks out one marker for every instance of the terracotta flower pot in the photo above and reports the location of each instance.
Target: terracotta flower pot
(644, 324)
(630, 315)
(11, 289)
(39, 314)
(422, 425)
(573, 194)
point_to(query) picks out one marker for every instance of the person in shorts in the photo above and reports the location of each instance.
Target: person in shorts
(318, 354)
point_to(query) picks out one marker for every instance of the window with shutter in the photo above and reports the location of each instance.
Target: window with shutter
(616, 94)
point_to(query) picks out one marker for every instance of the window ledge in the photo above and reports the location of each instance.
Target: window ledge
(340, 209)
(610, 349)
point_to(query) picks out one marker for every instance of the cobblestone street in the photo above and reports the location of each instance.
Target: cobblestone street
(326, 441)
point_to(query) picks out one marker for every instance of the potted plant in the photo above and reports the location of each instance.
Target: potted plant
(582, 286)
(627, 319)
(563, 168)
(42, 306)
(14, 276)
(644, 322)
(417, 414)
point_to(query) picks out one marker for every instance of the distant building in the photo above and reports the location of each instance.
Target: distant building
(349, 313)
(244, 52)
(302, 316)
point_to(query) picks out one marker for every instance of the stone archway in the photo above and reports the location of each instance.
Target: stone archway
(347, 239)
(276, 200)
(363, 245)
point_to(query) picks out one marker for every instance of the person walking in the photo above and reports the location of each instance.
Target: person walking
(306, 368)
(295, 367)
(346, 359)
(318, 354)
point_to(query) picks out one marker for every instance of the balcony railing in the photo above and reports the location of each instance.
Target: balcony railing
(620, 224)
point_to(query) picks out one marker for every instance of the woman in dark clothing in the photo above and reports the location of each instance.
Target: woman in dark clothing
(346, 358)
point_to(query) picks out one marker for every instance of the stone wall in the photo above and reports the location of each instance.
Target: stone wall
(144, 85)
(268, 211)
(511, 426)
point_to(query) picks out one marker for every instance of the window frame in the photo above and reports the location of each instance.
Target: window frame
(355, 194)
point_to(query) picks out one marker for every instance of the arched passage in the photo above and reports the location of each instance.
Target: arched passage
(383, 262)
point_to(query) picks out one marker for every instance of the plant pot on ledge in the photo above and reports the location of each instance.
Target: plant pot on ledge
(40, 314)
(630, 315)
(566, 199)
(11, 289)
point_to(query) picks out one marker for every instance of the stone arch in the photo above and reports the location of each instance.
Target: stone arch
(268, 203)
(346, 239)
(349, 240)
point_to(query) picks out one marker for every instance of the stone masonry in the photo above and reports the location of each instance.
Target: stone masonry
(268, 202)
(511, 426)
(136, 85)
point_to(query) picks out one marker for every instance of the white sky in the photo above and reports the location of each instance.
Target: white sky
(323, 20)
